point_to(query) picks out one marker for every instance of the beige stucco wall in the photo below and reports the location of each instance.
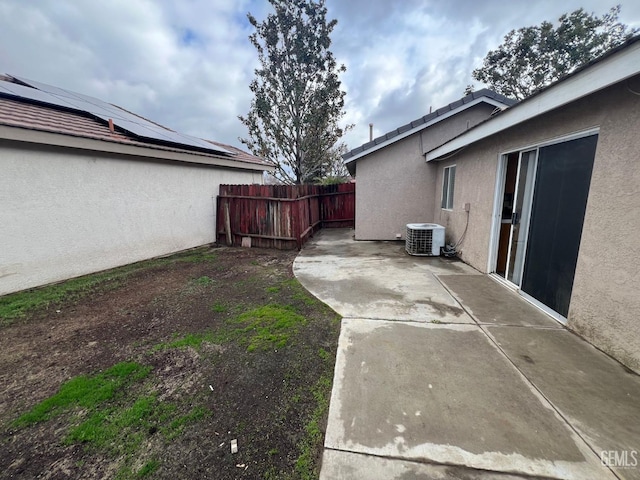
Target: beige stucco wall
(394, 185)
(474, 184)
(605, 301)
(66, 213)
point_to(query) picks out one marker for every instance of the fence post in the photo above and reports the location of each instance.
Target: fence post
(227, 223)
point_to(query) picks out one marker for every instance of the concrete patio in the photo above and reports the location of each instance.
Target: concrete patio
(443, 373)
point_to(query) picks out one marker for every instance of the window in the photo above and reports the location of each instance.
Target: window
(447, 187)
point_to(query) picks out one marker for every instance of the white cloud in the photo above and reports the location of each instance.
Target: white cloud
(188, 64)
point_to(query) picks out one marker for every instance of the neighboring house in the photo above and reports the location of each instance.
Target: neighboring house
(553, 188)
(395, 187)
(86, 186)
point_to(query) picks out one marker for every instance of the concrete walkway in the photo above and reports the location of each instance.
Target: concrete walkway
(442, 373)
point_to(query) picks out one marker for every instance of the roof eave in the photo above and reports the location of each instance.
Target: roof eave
(604, 73)
(421, 127)
(18, 134)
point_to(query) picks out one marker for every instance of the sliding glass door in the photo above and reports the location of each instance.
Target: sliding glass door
(545, 193)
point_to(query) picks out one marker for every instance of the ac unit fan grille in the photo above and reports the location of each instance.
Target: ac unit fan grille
(424, 239)
(420, 241)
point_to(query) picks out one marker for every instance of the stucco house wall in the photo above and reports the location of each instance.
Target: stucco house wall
(68, 212)
(393, 188)
(393, 185)
(604, 301)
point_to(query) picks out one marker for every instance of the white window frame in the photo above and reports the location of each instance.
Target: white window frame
(448, 187)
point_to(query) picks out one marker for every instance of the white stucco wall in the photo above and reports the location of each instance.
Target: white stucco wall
(605, 301)
(66, 213)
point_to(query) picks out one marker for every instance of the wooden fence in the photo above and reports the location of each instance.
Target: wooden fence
(281, 216)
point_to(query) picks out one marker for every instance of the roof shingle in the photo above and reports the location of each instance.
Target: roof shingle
(24, 113)
(485, 92)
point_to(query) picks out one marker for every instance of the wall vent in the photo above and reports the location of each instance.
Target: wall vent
(424, 239)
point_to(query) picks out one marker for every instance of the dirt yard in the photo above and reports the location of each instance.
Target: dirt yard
(150, 371)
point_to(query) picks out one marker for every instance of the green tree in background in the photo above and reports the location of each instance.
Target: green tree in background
(297, 104)
(533, 57)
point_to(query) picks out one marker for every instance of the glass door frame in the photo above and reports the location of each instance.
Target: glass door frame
(521, 215)
(523, 220)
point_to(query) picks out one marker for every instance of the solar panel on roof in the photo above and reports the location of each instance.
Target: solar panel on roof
(35, 95)
(96, 110)
(44, 87)
(130, 122)
(142, 130)
(150, 130)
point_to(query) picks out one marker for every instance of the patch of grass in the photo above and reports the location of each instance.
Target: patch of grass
(117, 430)
(121, 430)
(17, 305)
(299, 293)
(178, 424)
(196, 285)
(204, 280)
(126, 472)
(110, 417)
(148, 468)
(269, 326)
(218, 307)
(197, 256)
(307, 468)
(272, 289)
(85, 391)
(263, 328)
(324, 355)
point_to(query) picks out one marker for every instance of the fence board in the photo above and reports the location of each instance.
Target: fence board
(282, 216)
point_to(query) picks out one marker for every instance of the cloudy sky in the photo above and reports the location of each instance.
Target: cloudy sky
(187, 64)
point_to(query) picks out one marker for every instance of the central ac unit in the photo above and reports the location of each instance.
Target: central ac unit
(424, 239)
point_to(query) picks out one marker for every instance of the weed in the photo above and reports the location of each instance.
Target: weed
(203, 281)
(436, 321)
(324, 355)
(218, 307)
(148, 468)
(126, 472)
(196, 285)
